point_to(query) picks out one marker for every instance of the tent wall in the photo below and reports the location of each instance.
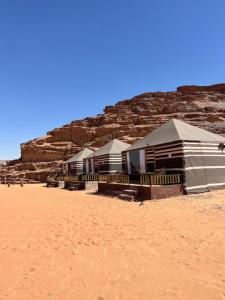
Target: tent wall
(75, 168)
(108, 164)
(201, 163)
(150, 160)
(105, 164)
(124, 163)
(204, 167)
(115, 163)
(169, 156)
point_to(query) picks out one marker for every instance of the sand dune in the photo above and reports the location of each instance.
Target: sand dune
(56, 244)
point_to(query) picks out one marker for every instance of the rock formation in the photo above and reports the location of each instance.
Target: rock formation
(2, 162)
(220, 88)
(127, 120)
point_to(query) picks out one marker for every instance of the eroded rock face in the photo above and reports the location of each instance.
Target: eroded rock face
(29, 172)
(220, 88)
(129, 120)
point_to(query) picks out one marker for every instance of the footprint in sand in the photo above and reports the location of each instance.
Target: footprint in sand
(32, 269)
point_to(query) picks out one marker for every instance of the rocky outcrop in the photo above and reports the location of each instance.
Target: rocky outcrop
(128, 120)
(30, 172)
(220, 88)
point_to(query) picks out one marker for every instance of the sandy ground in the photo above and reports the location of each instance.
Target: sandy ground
(56, 244)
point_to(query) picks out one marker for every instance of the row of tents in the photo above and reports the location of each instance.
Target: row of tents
(175, 147)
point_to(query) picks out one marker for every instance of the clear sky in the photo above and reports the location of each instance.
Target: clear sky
(62, 60)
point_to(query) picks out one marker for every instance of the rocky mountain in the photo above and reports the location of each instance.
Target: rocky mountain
(127, 120)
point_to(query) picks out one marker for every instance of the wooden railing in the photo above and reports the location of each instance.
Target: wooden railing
(114, 178)
(145, 179)
(90, 177)
(160, 179)
(71, 178)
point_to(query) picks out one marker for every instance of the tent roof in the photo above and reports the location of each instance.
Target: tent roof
(176, 130)
(113, 147)
(80, 155)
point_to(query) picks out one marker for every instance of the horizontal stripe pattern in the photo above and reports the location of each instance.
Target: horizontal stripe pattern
(195, 187)
(75, 168)
(110, 163)
(202, 164)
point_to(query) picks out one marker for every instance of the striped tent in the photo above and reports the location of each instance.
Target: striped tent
(107, 159)
(177, 147)
(74, 166)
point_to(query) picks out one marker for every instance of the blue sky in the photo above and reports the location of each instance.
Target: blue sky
(65, 60)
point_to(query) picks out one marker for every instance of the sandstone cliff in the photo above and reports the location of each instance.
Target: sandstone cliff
(129, 120)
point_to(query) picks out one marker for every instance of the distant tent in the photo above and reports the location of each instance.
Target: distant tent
(178, 147)
(75, 164)
(107, 159)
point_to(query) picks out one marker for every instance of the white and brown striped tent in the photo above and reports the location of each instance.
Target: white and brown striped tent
(74, 166)
(107, 159)
(177, 147)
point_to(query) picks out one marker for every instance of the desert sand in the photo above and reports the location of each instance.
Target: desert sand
(61, 245)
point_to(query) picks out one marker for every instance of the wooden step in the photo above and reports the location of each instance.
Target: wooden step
(126, 197)
(130, 192)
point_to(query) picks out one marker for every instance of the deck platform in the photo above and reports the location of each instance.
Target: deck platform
(144, 192)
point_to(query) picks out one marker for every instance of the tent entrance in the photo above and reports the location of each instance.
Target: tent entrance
(136, 162)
